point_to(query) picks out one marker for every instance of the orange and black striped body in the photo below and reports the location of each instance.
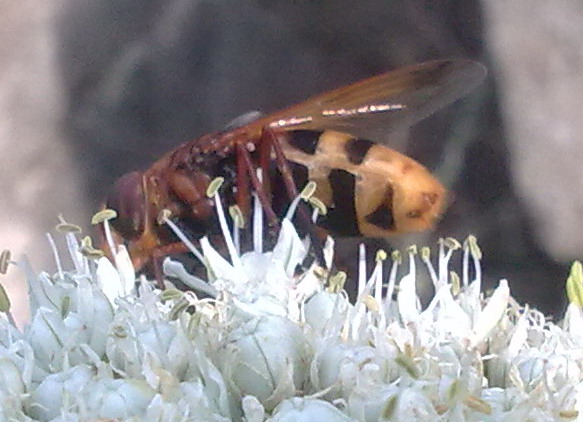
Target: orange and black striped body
(370, 190)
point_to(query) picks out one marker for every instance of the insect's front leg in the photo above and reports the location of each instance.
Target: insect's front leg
(184, 195)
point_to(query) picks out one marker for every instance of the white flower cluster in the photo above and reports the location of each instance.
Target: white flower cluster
(271, 345)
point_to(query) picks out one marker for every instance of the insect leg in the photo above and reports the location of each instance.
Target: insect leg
(243, 193)
(161, 252)
(246, 160)
(265, 145)
(268, 135)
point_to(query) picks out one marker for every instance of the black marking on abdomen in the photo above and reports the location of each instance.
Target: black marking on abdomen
(305, 140)
(356, 150)
(300, 174)
(341, 217)
(382, 217)
(280, 198)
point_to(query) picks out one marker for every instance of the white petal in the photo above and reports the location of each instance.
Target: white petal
(96, 312)
(126, 270)
(47, 334)
(219, 267)
(407, 300)
(11, 382)
(573, 322)
(117, 399)
(252, 409)
(47, 400)
(176, 269)
(493, 311)
(289, 248)
(321, 307)
(109, 280)
(450, 319)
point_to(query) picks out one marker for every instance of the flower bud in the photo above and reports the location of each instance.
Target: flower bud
(307, 410)
(267, 358)
(322, 307)
(48, 400)
(117, 398)
(12, 389)
(47, 334)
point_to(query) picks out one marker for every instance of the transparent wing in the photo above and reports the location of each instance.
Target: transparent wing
(391, 100)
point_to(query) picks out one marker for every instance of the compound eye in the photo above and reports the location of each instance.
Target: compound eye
(128, 199)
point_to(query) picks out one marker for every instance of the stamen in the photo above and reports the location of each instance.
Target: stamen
(452, 243)
(361, 268)
(454, 280)
(471, 248)
(64, 227)
(412, 251)
(425, 257)
(407, 298)
(75, 253)
(212, 191)
(478, 404)
(466, 265)
(104, 216)
(214, 186)
(88, 251)
(328, 252)
(477, 257)
(371, 304)
(305, 194)
(5, 260)
(397, 260)
(164, 217)
(257, 225)
(336, 282)
(56, 255)
(575, 284)
(71, 231)
(444, 257)
(4, 300)
(308, 190)
(319, 208)
(315, 214)
(238, 223)
(5, 306)
(258, 219)
(569, 414)
(380, 258)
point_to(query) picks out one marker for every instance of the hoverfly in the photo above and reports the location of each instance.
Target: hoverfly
(370, 190)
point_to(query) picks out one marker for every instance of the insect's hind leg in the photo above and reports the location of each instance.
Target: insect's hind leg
(246, 168)
(268, 141)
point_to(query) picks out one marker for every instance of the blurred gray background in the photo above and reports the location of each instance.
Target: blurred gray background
(92, 89)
